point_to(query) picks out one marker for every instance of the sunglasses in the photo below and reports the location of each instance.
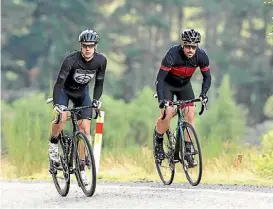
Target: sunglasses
(88, 46)
(190, 47)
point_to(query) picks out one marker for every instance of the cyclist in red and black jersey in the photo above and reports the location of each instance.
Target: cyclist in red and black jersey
(173, 78)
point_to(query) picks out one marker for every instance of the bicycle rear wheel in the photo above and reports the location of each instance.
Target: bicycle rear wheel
(165, 168)
(83, 150)
(60, 174)
(193, 174)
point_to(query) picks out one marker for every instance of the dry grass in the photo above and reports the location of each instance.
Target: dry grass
(140, 166)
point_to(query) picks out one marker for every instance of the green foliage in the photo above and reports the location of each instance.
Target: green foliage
(26, 128)
(144, 109)
(225, 119)
(221, 127)
(270, 28)
(264, 164)
(268, 1)
(129, 124)
(268, 108)
(6, 114)
(155, 20)
(26, 133)
(128, 129)
(116, 123)
(267, 142)
(140, 32)
(48, 28)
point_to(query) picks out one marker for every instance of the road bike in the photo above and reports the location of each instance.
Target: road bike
(71, 151)
(174, 147)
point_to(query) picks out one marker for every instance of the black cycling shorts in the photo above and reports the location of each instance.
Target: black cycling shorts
(182, 93)
(79, 101)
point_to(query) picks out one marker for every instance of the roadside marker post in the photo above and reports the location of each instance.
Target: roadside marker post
(98, 139)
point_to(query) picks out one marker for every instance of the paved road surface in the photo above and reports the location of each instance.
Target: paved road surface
(42, 194)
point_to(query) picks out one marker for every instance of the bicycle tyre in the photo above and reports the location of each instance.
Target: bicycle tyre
(62, 191)
(158, 166)
(185, 168)
(91, 191)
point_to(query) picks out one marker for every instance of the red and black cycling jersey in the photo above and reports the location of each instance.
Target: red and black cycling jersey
(177, 69)
(76, 73)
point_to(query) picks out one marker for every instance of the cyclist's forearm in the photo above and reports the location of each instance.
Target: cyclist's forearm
(206, 82)
(59, 84)
(57, 90)
(98, 89)
(160, 83)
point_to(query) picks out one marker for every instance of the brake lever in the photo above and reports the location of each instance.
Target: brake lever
(202, 110)
(165, 110)
(99, 112)
(204, 107)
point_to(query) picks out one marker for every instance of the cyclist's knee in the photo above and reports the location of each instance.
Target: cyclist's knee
(189, 114)
(59, 120)
(64, 117)
(169, 113)
(85, 126)
(163, 125)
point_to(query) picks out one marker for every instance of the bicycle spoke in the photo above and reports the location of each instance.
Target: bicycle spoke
(61, 176)
(166, 167)
(86, 165)
(193, 173)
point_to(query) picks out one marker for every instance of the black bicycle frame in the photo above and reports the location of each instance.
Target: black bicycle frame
(181, 119)
(76, 128)
(73, 116)
(75, 125)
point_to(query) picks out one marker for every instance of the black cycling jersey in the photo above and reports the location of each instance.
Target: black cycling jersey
(177, 69)
(76, 73)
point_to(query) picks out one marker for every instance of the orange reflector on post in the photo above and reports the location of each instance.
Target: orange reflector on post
(99, 128)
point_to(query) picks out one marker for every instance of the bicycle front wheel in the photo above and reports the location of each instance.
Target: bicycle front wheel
(166, 167)
(85, 164)
(194, 173)
(60, 174)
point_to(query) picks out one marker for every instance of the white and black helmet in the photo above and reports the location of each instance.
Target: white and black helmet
(190, 36)
(89, 36)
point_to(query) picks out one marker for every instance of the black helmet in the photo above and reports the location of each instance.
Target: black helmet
(191, 36)
(89, 36)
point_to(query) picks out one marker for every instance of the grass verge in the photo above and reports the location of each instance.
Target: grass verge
(140, 167)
